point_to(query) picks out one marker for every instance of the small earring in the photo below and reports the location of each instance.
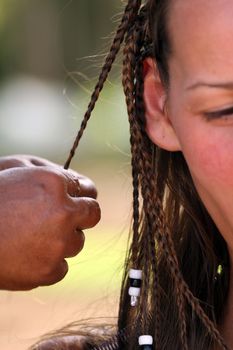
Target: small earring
(145, 342)
(135, 278)
(219, 272)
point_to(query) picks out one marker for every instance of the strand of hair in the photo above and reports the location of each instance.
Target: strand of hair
(128, 16)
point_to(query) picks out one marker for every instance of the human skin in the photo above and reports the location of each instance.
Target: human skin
(42, 214)
(179, 118)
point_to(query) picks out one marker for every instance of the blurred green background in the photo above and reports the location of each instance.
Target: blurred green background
(50, 57)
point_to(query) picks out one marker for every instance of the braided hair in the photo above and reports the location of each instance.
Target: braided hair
(174, 241)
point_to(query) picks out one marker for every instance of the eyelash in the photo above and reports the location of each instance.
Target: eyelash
(219, 114)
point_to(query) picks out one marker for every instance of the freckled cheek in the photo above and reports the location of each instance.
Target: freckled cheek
(210, 162)
(207, 148)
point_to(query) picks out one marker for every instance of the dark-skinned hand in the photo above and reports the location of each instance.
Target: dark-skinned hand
(43, 211)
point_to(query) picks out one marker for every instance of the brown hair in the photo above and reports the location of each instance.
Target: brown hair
(174, 241)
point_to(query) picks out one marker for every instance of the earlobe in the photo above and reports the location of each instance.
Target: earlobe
(158, 125)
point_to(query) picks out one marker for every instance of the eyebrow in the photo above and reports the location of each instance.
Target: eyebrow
(227, 85)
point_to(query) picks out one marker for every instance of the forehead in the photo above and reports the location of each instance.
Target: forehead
(201, 33)
(197, 12)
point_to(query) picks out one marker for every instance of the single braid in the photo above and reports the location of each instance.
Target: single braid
(129, 64)
(139, 103)
(136, 217)
(182, 317)
(169, 246)
(130, 12)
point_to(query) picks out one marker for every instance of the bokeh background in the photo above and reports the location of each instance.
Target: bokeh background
(50, 56)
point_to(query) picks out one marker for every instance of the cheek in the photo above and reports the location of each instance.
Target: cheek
(207, 148)
(209, 153)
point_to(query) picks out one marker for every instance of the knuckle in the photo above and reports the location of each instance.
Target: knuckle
(92, 191)
(36, 161)
(87, 187)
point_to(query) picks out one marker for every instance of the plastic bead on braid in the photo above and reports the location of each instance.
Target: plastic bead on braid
(135, 278)
(145, 342)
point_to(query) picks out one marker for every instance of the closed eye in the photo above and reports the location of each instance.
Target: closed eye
(219, 114)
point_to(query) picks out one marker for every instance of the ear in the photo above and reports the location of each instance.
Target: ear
(158, 125)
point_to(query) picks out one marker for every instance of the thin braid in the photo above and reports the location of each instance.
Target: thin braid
(179, 295)
(129, 67)
(130, 12)
(199, 311)
(128, 77)
(205, 319)
(136, 217)
(168, 247)
(169, 250)
(195, 304)
(182, 317)
(156, 285)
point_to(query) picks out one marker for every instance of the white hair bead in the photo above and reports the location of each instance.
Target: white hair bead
(135, 274)
(134, 292)
(135, 277)
(145, 340)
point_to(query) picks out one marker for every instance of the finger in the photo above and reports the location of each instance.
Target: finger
(86, 212)
(37, 161)
(75, 243)
(29, 160)
(87, 187)
(10, 162)
(73, 187)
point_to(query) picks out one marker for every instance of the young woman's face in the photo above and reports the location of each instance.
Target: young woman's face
(200, 101)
